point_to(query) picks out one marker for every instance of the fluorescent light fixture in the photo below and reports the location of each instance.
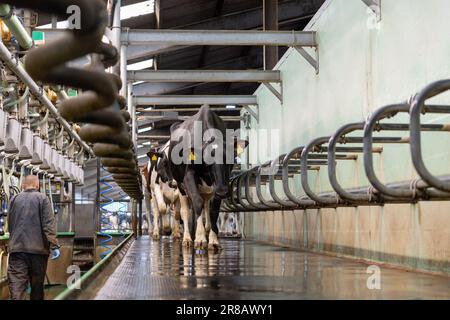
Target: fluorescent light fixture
(138, 82)
(142, 156)
(59, 25)
(144, 129)
(231, 107)
(137, 9)
(140, 65)
(147, 143)
(140, 146)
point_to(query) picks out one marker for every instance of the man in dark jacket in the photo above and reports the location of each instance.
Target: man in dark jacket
(32, 236)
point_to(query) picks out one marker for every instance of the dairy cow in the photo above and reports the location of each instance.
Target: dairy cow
(201, 166)
(166, 200)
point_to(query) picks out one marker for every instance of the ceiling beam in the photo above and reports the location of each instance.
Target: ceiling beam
(205, 76)
(196, 100)
(220, 37)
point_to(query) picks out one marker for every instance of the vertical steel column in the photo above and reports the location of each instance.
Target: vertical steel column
(132, 111)
(123, 70)
(134, 225)
(72, 211)
(270, 22)
(140, 218)
(97, 211)
(116, 32)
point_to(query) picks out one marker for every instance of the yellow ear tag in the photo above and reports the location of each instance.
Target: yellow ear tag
(192, 156)
(239, 150)
(154, 157)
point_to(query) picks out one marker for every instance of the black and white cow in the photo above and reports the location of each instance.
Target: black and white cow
(165, 197)
(201, 166)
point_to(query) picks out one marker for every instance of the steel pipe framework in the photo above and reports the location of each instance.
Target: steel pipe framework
(303, 159)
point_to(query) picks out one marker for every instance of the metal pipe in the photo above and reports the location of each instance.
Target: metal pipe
(270, 22)
(304, 174)
(220, 37)
(15, 26)
(417, 107)
(195, 100)
(216, 109)
(332, 173)
(15, 66)
(368, 154)
(123, 71)
(116, 32)
(205, 76)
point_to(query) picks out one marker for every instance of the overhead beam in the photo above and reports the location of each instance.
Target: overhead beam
(195, 100)
(220, 37)
(221, 109)
(153, 119)
(205, 76)
(153, 137)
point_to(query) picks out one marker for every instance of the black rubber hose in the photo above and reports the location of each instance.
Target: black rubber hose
(100, 105)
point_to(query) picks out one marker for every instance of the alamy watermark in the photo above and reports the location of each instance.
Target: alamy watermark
(374, 280)
(198, 145)
(74, 20)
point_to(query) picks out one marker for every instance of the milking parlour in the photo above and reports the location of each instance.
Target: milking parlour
(232, 156)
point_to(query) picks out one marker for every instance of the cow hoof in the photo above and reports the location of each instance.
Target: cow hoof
(156, 237)
(214, 247)
(176, 236)
(187, 243)
(200, 245)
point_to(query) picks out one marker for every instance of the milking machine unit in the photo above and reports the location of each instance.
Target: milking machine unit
(44, 131)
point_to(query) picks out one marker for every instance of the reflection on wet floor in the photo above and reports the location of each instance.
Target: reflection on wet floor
(249, 270)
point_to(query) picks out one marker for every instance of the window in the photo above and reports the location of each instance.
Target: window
(144, 129)
(137, 9)
(140, 65)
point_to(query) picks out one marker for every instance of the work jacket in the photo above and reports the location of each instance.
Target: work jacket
(31, 223)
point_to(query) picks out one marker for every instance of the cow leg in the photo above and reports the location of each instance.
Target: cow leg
(190, 183)
(176, 223)
(185, 215)
(206, 210)
(214, 214)
(155, 210)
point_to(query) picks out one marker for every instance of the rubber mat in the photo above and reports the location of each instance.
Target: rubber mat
(248, 270)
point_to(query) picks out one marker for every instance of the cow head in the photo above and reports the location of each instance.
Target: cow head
(160, 162)
(221, 171)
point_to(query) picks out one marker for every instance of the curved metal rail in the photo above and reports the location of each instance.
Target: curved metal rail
(346, 144)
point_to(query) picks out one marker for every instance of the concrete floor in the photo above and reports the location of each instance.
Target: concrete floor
(248, 270)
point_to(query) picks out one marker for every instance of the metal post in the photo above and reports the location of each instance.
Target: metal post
(140, 218)
(134, 225)
(123, 70)
(270, 23)
(116, 32)
(97, 215)
(132, 111)
(72, 213)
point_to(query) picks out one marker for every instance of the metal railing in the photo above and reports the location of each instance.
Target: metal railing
(349, 143)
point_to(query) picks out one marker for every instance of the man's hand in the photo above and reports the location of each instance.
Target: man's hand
(55, 254)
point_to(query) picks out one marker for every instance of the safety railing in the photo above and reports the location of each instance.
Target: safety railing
(351, 142)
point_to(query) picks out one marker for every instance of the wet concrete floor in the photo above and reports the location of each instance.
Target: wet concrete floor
(249, 270)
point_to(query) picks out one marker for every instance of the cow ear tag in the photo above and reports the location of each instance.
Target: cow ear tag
(239, 150)
(192, 156)
(154, 157)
